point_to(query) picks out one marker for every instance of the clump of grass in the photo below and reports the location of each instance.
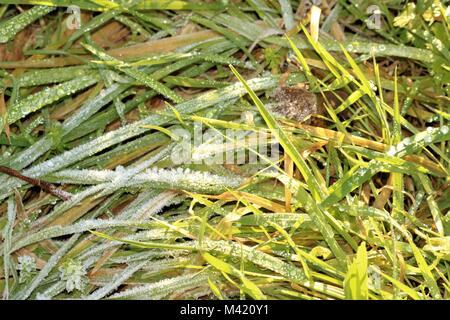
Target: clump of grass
(354, 207)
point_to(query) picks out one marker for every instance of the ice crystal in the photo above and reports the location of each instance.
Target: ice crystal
(179, 178)
(27, 268)
(123, 175)
(132, 130)
(82, 226)
(147, 235)
(51, 263)
(116, 281)
(392, 151)
(41, 296)
(190, 180)
(164, 287)
(73, 274)
(11, 27)
(47, 96)
(92, 106)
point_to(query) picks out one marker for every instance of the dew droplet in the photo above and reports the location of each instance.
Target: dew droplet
(392, 151)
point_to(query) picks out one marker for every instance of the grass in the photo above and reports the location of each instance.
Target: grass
(355, 205)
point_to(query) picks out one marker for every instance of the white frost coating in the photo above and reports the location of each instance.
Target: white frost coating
(47, 96)
(137, 205)
(187, 179)
(117, 280)
(124, 133)
(26, 266)
(164, 264)
(154, 206)
(150, 255)
(51, 263)
(147, 235)
(83, 176)
(410, 144)
(145, 205)
(74, 275)
(91, 107)
(60, 286)
(82, 226)
(28, 155)
(7, 236)
(220, 145)
(12, 26)
(391, 151)
(174, 178)
(164, 287)
(121, 179)
(66, 205)
(36, 150)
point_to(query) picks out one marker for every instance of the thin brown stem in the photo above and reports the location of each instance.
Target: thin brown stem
(46, 186)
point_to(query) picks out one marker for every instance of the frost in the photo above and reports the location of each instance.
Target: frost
(41, 296)
(373, 86)
(51, 263)
(392, 151)
(407, 141)
(260, 258)
(74, 275)
(164, 287)
(116, 281)
(30, 154)
(27, 268)
(47, 96)
(74, 200)
(59, 287)
(92, 106)
(140, 204)
(154, 206)
(82, 226)
(190, 180)
(147, 235)
(179, 178)
(7, 237)
(428, 138)
(132, 130)
(151, 255)
(124, 175)
(438, 44)
(11, 27)
(83, 176)
(361, 172)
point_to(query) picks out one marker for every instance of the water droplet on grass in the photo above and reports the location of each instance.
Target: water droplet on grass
(392, 151)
